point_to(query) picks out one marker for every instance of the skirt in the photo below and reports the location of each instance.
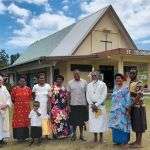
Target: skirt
(21, 133)
(138, 119)
(120, 137)
(46, 126)
(78, 115)
(36, 132)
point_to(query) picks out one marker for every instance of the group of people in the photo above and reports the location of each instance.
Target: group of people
(58, 111)
(127, 111)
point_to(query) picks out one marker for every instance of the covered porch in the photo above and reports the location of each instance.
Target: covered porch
(107, 63)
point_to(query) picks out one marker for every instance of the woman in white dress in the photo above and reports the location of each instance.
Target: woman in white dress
(40, 93)
(5, 103)
(96, 95)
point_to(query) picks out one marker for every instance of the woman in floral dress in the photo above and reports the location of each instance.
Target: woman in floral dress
(59, 109)
(119, 120)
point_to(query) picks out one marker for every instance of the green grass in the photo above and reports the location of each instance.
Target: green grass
(108, 104)
(147, 100)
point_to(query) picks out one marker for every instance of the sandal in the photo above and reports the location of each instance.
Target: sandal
(82, 139)
(73, 138)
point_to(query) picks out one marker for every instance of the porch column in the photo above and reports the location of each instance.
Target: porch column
(148, 76)
(50, 75)
(120, 66)
(15, 78)
(11, 79)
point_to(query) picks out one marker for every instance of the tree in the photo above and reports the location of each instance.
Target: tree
(4, 58)
(14, 57)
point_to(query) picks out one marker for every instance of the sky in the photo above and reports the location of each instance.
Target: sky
(23, 22)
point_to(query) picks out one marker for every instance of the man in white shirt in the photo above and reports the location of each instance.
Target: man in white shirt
(78, 104)
(96, 95)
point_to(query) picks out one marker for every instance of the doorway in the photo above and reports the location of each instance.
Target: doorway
(56, 72)
(108, 75)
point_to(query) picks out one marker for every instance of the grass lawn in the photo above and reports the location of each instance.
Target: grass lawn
(78, 145)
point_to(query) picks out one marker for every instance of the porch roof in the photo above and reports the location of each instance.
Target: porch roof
(101, 55)
(125, 51)
(104, 55)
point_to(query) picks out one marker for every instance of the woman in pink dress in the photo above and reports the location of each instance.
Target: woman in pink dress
(59, 109)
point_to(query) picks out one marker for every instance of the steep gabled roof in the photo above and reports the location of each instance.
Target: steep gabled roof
(43, 47)
(65, 41)
(77, 34)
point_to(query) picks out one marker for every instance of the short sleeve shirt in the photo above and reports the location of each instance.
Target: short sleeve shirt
(35, 119)
(41, 92)
(77, 90)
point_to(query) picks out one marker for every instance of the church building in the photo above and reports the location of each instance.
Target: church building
(98, 41)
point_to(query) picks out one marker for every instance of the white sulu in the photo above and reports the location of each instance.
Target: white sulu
(5, 99)
(97, 92)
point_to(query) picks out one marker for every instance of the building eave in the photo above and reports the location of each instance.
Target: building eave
(101, 55)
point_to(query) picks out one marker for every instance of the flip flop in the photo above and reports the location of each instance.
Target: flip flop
(73, 138)
(82, 139)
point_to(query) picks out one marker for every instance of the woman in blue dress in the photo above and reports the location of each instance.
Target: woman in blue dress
(119, 120)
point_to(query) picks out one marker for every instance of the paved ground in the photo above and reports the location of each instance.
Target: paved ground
(78, 145)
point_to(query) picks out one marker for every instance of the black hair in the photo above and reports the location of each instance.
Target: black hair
(120, 75)
(134, 70)
(60, 77)
(1, 74)
(76, 71)
(41, 74)
(23, 77)
(36, 102)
